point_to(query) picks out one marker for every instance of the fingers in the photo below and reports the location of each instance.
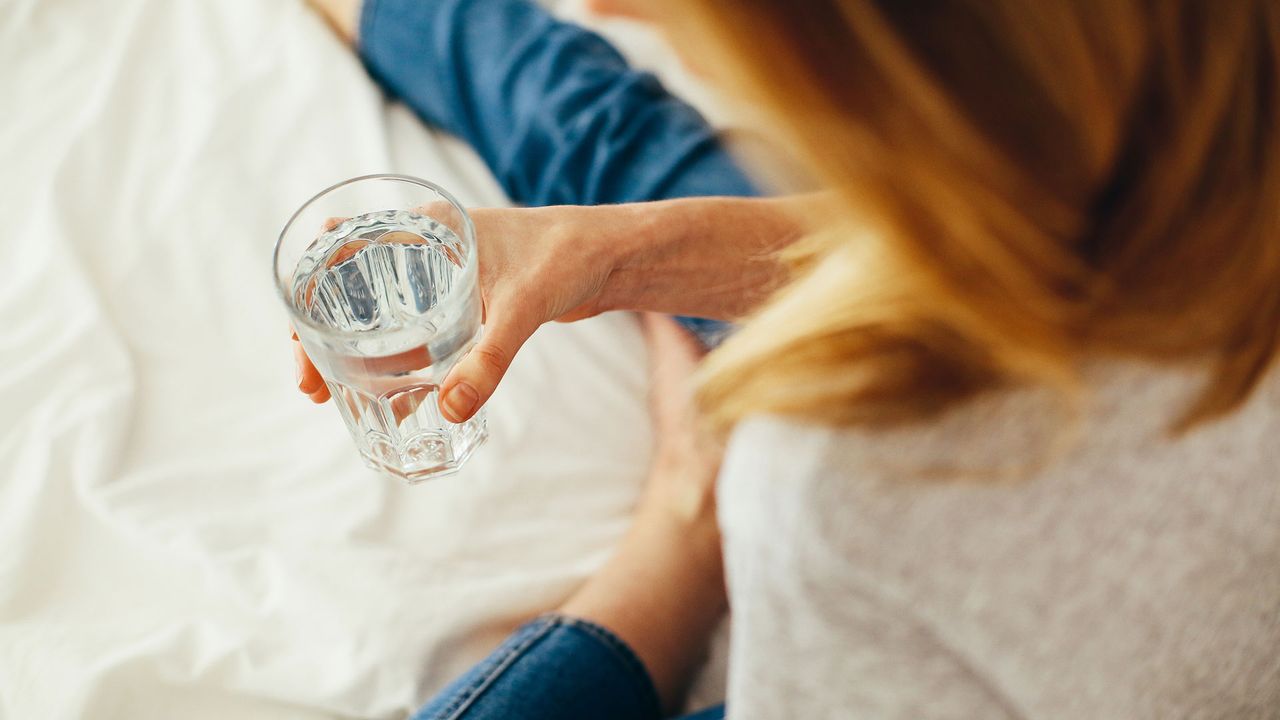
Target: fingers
(320, 396)
(673, 352)
(308, 377)
(665, 335)
(471, 383)
(673, 359)
(309, 380)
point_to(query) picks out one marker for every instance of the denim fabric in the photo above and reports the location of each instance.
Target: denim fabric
(554, 110)
(711, 713)
(554, 668)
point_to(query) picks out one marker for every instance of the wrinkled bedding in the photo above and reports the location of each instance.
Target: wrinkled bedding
(182, 534)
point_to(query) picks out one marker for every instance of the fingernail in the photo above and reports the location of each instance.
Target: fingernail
(460, 401)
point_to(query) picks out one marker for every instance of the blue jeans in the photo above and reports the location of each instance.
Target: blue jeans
(555, 668)
(554, 110)
(559, 118)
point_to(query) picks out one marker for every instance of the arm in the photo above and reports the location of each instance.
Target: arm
(709, 257)
(712, 257)
(662, 592)
(625, 645)
(553, 109)
(715, 257)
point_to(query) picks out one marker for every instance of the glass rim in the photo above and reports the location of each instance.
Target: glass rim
(469, 236)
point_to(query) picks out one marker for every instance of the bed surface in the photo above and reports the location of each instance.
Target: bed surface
(182, 534)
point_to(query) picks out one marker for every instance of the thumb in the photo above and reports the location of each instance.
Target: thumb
(472, 381)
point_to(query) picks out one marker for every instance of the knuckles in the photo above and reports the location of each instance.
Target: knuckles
(492, 360)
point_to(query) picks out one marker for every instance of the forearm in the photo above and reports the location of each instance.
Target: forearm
(709, 257)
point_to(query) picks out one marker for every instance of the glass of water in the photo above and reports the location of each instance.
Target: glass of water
(380, 277)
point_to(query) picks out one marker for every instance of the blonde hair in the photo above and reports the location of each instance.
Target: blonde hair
(1016, 185)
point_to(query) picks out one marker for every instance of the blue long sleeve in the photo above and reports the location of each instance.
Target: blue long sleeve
(554, 110)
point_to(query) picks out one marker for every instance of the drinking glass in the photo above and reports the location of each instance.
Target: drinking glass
(380, 277)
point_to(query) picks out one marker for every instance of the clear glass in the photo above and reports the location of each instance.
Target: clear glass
(380, 277)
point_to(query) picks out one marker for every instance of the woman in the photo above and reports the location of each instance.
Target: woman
(1002, 424)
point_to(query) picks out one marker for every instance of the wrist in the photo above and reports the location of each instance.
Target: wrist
(639, 236)
(713, 257)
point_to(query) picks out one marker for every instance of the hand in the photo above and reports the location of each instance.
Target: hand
(709, 257)
(536, 265)
(686, 459)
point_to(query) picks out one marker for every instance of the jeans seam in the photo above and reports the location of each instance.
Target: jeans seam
(500, 663)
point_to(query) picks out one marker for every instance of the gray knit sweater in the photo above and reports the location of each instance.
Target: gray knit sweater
(1038, 569)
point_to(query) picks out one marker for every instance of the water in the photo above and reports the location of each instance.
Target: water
(381, 285)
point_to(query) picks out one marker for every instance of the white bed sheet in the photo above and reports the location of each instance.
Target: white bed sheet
(182, 535)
